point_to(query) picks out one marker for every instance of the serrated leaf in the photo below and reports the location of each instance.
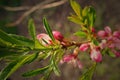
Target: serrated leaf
(35, 72)
(80, 33)
(48, 29)
(89, 73)
(31, 29)
(76, 7)
(13, 66)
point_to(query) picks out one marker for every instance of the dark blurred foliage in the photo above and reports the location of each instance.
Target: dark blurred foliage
(108, 14)
(7, 16)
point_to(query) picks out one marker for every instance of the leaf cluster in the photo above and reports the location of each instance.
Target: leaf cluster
(20, 50)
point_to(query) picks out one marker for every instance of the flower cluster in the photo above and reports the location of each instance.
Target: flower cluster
(72, 59)
(45, 40)
(110, 40)
(94, 52)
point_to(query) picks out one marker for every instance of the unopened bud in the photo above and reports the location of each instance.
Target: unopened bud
(102, 34)
(96, 55)
(57, 35)
(44, 39)
(116, 34)
(84, 47)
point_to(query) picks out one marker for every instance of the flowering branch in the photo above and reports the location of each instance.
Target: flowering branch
(54, 46)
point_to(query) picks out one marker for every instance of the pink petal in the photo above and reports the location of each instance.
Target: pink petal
(93, 30)
(84, 47)
(68, 58)
(80, 66)
(116, 34)
(96, 55)
(45, 37)
(103, 44)
(57, 35)
(117, 54)
(108, 30)
(117, 45)
(112, 45)
(102, 34)
(39, 36)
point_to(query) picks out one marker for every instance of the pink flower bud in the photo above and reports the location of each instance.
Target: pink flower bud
(84, 47)
(93, 30)
(67, 58)
(80, 65)
(72, 59)
(111, 46)
(117, 54)
(57, 35)
(44, 38)
(102, 34)
(116, 34)
(96, 55)
(108, 30)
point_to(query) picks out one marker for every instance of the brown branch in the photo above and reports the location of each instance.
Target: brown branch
(16, 8)
(33, 9)
(8, 8)
(65, 43)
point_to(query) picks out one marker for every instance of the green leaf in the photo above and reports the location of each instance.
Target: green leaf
(110, 53)
(38, 45)
(48, 29)
(80, 33)
(85, 11)
(5, 43)
(13, 66)
(86, 21)
(55, 68)
(5, 37)
(25, 41)
(91, 16)
(35, 72)
(31, 29)
(75, 19)
(95, 42)
(30, 57)
(76, 7)
(89, 73)
(4, 52)
(47, 74)
(54, 63)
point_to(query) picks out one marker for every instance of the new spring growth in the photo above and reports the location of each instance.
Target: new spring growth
(110, 40)
(72, 59)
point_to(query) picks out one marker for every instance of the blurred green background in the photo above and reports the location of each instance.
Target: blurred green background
(108, 14)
